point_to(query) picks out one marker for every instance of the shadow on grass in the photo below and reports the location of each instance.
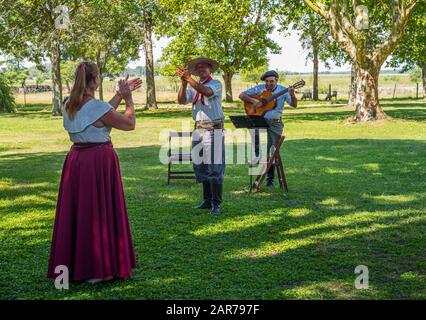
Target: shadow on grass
(412, 111)
(351, 202)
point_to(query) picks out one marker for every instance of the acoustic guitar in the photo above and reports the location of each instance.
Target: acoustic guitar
(268, 100)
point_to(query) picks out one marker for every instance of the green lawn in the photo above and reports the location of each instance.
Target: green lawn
(357, 196)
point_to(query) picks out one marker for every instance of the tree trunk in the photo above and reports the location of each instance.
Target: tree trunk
(360, 47)
(151, 100)
(367, 104)
(55, 61)
(424, 80)
(315, 74)
(101, 75)
(227, 76)
(315, 44)
(101, 87)
(352, 93)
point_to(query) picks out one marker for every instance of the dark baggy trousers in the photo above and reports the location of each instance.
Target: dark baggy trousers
(208, 159)
(275, 130)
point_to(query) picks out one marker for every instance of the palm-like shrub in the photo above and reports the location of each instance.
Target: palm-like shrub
(7, 101)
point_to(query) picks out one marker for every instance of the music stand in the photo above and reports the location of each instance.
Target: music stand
(248, 122)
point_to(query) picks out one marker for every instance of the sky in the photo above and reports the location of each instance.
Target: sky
(292, 57)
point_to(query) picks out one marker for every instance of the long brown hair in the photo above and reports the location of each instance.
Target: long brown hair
(84, 74)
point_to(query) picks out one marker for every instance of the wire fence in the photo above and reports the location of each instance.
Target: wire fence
(167, 92)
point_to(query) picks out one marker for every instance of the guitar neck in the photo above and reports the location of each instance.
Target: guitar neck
(276, 95)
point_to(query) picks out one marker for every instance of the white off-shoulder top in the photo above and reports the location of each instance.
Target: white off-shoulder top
(81, 129)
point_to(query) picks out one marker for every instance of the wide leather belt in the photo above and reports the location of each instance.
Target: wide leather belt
(209, 125)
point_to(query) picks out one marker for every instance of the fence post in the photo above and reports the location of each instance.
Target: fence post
(394, 89)
(417, 90)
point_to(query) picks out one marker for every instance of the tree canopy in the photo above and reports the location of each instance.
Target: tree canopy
(235, 33)
(368, 31)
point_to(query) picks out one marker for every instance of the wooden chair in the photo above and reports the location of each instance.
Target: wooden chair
(178, 157)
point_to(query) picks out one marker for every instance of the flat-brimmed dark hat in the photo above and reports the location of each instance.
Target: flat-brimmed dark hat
(192, 65)
(270, 73)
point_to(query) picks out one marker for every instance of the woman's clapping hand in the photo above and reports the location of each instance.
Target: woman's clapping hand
(125, 86)
(135, 83)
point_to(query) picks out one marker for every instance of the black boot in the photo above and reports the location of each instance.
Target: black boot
(216, 198)
(207, 196)
(270, 183)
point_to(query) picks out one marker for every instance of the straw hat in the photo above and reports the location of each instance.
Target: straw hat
(192, 65)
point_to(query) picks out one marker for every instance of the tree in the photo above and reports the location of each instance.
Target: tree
(105, 33)
(147, 14)
(282, 75)
(235, 33)
(30, 30)
(22, 77)
(151, 101)
(68, 73)
(40, 79)
(39, 74)
(314, 36)
(411, 51)
(7, 101)
(169, 71)
(15, 73)
(253, 75)
(368, 49)
(415, 74)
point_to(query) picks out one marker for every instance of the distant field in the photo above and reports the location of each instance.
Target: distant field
(397, 85)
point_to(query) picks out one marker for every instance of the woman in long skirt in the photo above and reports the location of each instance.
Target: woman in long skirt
(91, 235)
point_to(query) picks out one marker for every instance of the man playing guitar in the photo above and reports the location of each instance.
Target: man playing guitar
(272, 117)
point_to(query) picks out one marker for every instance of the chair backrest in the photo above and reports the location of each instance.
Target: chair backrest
(179, 157)
(177, 134)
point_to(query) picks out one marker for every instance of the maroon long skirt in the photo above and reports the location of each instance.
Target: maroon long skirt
(91, 236)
